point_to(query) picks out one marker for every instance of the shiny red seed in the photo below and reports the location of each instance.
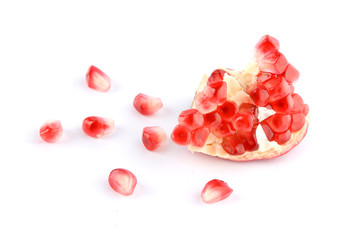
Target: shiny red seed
(282, 138)
(279, 122)
(291, 89)
(249, 108)
(181, 135)
(233, 145)
(216, 76)
(224, 129)
(215, 191)
(51, 131)
(283, 105)
(216, 92)
(298, 103)
(266, 45)
(191, 119)
(199, 136)
(147, 105)
(249, 140)
(212, 120)
(203, 103)
(274, 63)
(97, 79)
(153, 137)
(228, 110)
(97, 126)
(278, 88)
(260, 96)
(122, 181)
(298, 121)
(265, 76)
(267, 130)
(305, 109)
(243, 122)
(291, 74)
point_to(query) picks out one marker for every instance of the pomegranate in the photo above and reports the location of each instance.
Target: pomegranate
(51, 131)
(249, 114)
(97, 79)
(215, 190)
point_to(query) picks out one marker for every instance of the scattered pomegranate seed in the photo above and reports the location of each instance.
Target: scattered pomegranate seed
(228, 110)
(278, 88)
(153, 137)
(51, 131)
(298, 103)
(291, 74)
(181, 135)
(147, 105)
(215, 190)
(122, 181)
(191, 119)
(199, 136)
(282, 138)
(233, 145)
(279, 122)
(212, 120)
(244, 122)
(97, 126)
(216, 76)
(305, 109)
(97, 79)
(283, 105)
(274, 63)
(298, 121)
(260, 96)
(266, 45)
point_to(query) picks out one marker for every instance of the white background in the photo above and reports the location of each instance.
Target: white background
(162, 48)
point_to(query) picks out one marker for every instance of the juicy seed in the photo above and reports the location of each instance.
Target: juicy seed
(305, 109)
(260, 96)
(199, 136)
(282, 138)
(278, 88)
(267, 130)
(298, 121)
(215, 191)
(147, 105)
(216, 92)
(283, 105)
(228, 110)
(97, 79)
(233, 145)
(298, 103)
(266, 45)
(265, 76)
(291, 74)
(122, 181)
(191, 119)
(244, 122)
(153, 137)
(203, 104)
(249, 140)
(51, 131)
(97, 126)
(216, 76)
(279, 122)
(212, 120)
(249, 108)
(223, 130)
(274, 63)
(181, 135)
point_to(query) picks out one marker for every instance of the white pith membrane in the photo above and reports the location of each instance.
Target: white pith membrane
(238, 83)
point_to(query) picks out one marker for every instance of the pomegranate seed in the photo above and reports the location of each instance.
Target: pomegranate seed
(244, 122)
(224, 129)
(260, 96)
(265, 76)
(212, 120)
(267, 130)
(283, 105)
(298, 103)
(305, 109)
(216, 92)
(216, 76)
(199, 136)
(249, 108)
(291, 74)
(249, 140)
(97, 79)
(122, 181)
(266, 45)
(191, 119)
(153, 137)
(147, 105)
(278, 88)
(203, 104)
(215, 190)
(228, 110)
(97, 126)
(279, 122)
(298, 121)
(181, 135)
(51, 131)
(274, 63)
(282, 138)
(291, 89)
(233, 145)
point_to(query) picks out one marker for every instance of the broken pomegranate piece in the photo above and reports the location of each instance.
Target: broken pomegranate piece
(51, 131)
(122, 181)
(97, 127)
(153, 137)
(215, 191)
(97, 79)
(250, 114)
(147, 105)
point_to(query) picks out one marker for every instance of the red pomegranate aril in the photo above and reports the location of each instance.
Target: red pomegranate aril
(266, 45)
(267, 130)
(291, 91)
(228, 110)
(216, 92)
(291, 74)
(191, 119)
(249, 140)
(260, 96)
(215, 191)
(282, 138)
(212, 120)
(298, 121)
(51, 131)
(305, 109)
(233, 145)
(274, 63)
(249, 108)
(283, 105)
(223, 130)
(216, 76)
(97, 79)
(122, 181)
(153, 137)
(203, 103)
(298, 103)
(181, 135)
(244, 122)
(97, 126)
(278, 88)
(199, 136)
(265, 76)
(147, 105)
(279, 122)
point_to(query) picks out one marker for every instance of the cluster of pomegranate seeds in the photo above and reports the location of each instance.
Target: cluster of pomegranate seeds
(153, 137)
(147, 105)
(215, 190)
(97, 126)
(122, 181)
(97, 79)
(51, 131)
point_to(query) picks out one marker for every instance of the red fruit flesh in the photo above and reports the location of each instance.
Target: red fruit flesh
(216, 92)
(279, 122)
(153, 137)
(298, 121)
(298, 103)
(244, 122)
(224, 129)
(260, 96)
(291, 74)
(215, 191)
(97, 126)
(233, 145)
(199, 136)
(227, 110)
(274, 63)
(305, 109)
(122, 181)
(266, 45)
(216, 76)
(97, 79)
(278, 88)
(249, 140)
(283, 105)
(181, 135)
(282, 138)
(191, 119)
(212, 120)
(147, 105)
(51, 131)
(203, 103)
